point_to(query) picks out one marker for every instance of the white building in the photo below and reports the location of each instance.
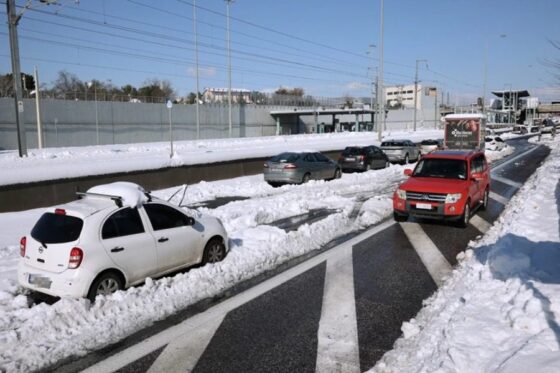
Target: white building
(220, 95)
(403, 95)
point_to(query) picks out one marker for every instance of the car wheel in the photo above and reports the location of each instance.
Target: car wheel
(368, 167)
(387, 164)
(106, 284)
(466, 215)
(215, 251)
(485, 200)
(406, 159)
(305, 178)
(337, 173)
(399, 218)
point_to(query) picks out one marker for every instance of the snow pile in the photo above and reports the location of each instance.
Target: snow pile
(500, 310)
(132, 195)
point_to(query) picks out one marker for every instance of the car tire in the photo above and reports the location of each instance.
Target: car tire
(305, 178)
(399, 217)
(337, 173)
(214, 251)
(387, 164)
(105, 284)
(484, 205)
(406, 159)
(464, 222)
(368, 167)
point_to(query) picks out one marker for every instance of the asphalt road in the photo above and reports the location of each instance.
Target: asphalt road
(353, 312)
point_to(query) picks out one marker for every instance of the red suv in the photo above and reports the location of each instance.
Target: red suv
(444, 185)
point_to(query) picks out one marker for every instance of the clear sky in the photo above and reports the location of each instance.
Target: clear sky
(317, 45)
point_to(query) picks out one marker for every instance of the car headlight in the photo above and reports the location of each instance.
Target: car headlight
(401, 193)
(453, 197)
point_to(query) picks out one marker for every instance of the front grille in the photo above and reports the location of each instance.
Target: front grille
(432, 197)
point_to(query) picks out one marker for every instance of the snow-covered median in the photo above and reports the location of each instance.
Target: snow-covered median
(500, 310)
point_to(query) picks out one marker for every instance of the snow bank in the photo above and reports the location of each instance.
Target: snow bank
(500, 310)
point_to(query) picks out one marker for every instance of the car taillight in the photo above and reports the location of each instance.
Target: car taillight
(76, 257)
(290, 166)
(22, 244)
(360, 157)
(60, 211)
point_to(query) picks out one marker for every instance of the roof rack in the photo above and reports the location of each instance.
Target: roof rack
(117, 199)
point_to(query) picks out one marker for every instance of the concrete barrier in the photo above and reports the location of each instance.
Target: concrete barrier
(25, 196)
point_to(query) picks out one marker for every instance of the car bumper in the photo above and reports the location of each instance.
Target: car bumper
(283, 177)
(352, 166)
(71, 283)
(440, 211)
(395, 157)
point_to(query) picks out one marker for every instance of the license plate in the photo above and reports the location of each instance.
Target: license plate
(424, 206)
(39, 281)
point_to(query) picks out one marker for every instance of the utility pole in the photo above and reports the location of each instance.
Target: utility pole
(38, 110)
(13, 20)
(196, 61)
(381, 107)
(228, 2)
(416, 91)
(435, 111)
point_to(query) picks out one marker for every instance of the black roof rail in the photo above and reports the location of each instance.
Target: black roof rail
(117, 199)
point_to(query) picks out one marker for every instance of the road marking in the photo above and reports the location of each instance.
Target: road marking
(141, 349)
(337, 347)
(507, 181)
(433, 260)
(182, 354)
(498, 198)
(480, 224)
(515, 158)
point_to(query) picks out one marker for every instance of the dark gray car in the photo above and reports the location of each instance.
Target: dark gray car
(299, 167)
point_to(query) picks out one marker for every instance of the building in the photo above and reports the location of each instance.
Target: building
(402, 96)
(220, 95)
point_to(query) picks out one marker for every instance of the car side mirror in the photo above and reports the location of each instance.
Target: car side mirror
(190, 221)
(408, 172)
(476, 175)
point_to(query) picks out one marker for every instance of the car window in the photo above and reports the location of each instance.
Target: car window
(165, 217)
(309, 158)
(429, 142)
(478, 164)
(321, 157)
(441, 168)
(285, 158)
(392, 143)
(124, 222)
(352, 151)
(57, 228)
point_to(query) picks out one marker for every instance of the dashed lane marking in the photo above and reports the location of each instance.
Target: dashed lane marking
(141, 349)
(433, 259)
(507, 181)
(337, 347)
(480, 224)
(498, 198)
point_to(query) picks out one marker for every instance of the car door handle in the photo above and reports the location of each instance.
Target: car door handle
(117, 249)
(163, 239)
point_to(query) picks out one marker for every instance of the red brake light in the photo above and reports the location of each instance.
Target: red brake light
(22, 244)
(290, 166)
(60, 211)
(361, 157)
(76, 257)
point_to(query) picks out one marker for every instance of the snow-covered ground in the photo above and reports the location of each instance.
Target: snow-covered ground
(500, 309)
(33, 337)
(59, 163)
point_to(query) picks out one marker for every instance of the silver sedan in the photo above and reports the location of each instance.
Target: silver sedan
(299, 168)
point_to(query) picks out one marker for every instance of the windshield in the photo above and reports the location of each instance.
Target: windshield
(392, 143)
(429, 142)
(56, 228)
(353, 151)
(285, 158)
(442, 168)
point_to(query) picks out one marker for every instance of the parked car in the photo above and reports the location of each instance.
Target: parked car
(444, 185)
(400, 150)
(495, 143)
(362, 158)
(299, 168)
(548, 126)
(112, 238)
(428, 146)
(525, 129)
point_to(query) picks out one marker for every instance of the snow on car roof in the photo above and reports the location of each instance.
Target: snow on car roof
(132, 195)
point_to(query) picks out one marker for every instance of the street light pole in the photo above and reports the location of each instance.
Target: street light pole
(13, 20)
(380, 106)
(38, 110)
(416, 92)
(196, 62)
(228, 2)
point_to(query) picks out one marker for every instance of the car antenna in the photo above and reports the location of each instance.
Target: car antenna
(174, 194)
(183, 196)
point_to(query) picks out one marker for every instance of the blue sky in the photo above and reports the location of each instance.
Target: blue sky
(317, 45)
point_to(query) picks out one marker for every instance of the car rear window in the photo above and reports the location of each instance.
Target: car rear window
(285, 158)
(57, 228)
(442, 168)
(353, 151)
(429, 142)
(392, 143)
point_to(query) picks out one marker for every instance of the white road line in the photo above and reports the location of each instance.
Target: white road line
(156, 341)
(435, 262)
(337, 349)
(480, 224)
(499, 198)
(515, 158)
(182, 354)
(507, 181)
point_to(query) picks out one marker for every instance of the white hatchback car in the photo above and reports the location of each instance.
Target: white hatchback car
(114, 237)
(495, 143)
